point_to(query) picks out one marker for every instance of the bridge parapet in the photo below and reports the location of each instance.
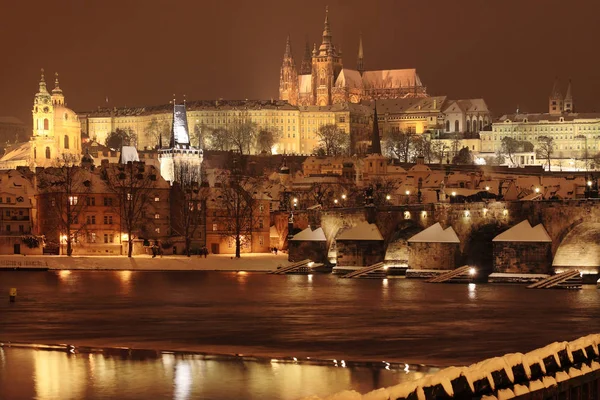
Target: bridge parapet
(566, 370)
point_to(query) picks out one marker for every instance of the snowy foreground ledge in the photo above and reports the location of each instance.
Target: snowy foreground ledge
(550, 368)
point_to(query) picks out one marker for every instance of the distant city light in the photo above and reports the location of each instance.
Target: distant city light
(407, 192)
(343, 197)
(335, 201)
(472, 271)
(388, 197)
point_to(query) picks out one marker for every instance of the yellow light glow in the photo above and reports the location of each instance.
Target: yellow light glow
(408, 192)
(124, 237)
(467, 213)
(335, 201)
(589, 183)
(406, 214)
(505, 212)
(424, 214)
(64, 273)
(485, 210)
(453, 193)
(344, 197)
(295, 199)
(388, 197)
(487, 188)
(537, 190)
(472, 271)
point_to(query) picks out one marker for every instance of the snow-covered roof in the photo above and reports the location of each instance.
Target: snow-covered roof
(309, 235)
(391, 78)
(435, 234)
(129, 153)
(524, 232)
(305, 83)
(349, 78)
(362, 231)
(180, 126)
(21, 151)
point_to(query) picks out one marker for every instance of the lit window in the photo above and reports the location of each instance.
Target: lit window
(157, 198)
(214, 227)
(73, 200)
(129, 196)
(157, 230)
(156, 216)
(261, 240)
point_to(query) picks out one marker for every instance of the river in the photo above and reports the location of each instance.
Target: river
(318, 316)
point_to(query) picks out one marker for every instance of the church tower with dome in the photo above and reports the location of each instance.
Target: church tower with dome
(56, 128)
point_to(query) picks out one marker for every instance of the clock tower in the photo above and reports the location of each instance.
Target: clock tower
(43, 111)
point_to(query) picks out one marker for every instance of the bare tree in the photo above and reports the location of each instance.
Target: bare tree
(188, 201)
(155, 131)
(64, 189)
(399, 144)
(383, 187)
(219, 139)
(235, 194)
(200, 136)
(121, 137)
(545, 149)
(243, 133)
(266, 139)
(132, 184)
(509, 147)
(423, 147)
(332, 141)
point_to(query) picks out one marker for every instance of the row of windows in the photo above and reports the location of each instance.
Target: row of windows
(21, 228)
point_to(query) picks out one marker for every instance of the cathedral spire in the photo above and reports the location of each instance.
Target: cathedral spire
(306, 67)
(325, 47)
(375, 139)
(556, 100)
(288, 48)
(568, 106)
(360, 64)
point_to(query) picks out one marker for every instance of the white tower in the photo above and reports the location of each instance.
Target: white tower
(180, 156)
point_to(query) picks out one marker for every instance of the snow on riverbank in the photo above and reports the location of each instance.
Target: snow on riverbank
(256, 262)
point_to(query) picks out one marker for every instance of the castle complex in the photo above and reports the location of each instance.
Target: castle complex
(324, 81)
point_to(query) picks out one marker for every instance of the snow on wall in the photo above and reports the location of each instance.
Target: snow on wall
(362, 231)
(524, 232)
(496, 378)
(309, 235)
(435, 234)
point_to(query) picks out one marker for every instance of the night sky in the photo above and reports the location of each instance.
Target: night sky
(141, 52)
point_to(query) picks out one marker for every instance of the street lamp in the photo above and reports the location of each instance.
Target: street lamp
(537, 189)
(343, 197)
(388, 197)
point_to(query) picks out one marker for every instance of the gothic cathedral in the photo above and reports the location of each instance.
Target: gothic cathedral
(324, 81)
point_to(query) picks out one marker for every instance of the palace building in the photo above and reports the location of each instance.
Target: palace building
(56, 132)
(323, 80)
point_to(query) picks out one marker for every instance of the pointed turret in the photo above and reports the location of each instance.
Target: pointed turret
(568, 102)
(326, 47)
(360, 64)
(180, 137)
(288, 48)
(556, 100)
(58, 97)
(375, 139)
(306, 67)
(43, 88)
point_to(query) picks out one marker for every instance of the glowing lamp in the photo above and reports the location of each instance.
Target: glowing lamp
(589, 183)
(537, 190)
(335, 201)
(487, 188)
(472, 271)
(388, 197)
(407, 192)
(453, 193)
(343, 197)
(124, 237)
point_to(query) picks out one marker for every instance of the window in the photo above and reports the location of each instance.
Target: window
(456, 126)
(48, 152)
(108, 220)
(156, 216)
(214, 227)
(46, 125)
(66, 141)
(108, 201)
(7, 228)
(91, 201)
(260, 223)
(21, 229)
(157, 230)
(53, 202)
(91, 220)
(91, 237)
(109, 238)
(447, 126)
(156, 198)
(8, 199)
(128, 196)
(261, 240)
(73, 200)
(261, 208)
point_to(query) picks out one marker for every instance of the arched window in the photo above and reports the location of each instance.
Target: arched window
(66, 141)
(480, 124)
(48, 153)
(468, 126)
(447, 126)
(46, 125)
(456, 126)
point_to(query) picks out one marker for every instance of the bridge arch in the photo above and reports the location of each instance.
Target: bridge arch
(579, 248)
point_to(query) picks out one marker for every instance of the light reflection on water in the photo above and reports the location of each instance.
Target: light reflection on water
(54, 375)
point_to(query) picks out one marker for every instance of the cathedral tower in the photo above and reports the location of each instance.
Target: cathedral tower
(568, 103)
(288, 79)
(326, 66)
(555, 102)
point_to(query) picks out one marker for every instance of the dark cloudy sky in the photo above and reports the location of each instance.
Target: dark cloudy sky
(140, 52)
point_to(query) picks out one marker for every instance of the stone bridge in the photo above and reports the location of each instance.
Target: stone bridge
(573, 226)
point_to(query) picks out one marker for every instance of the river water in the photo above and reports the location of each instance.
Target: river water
(319, 316)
